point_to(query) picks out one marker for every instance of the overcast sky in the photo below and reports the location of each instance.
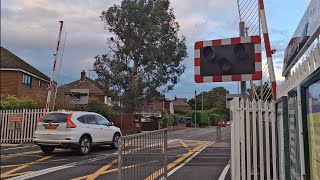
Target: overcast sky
(30, 28)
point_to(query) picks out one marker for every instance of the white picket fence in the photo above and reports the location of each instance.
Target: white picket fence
(28, 125)
(253, 140)
(308, 65)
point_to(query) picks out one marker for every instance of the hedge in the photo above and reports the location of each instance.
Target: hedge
(97, 107)
(12, 102)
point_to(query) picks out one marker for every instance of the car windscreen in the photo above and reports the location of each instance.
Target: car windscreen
(55, 117)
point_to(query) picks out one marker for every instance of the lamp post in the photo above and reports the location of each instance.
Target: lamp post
(195, 108)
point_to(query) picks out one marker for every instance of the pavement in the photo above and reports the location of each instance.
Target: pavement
(192, 154)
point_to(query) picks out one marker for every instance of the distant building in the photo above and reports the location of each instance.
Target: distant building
(181, 104)
(164, 106)
(96, 91)
(20, 79)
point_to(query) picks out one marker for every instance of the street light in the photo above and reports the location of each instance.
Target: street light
(195, 108)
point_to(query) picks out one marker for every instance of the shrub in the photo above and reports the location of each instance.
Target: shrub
(202, 118)
(12, 102)
(168, 120)
(97, 107)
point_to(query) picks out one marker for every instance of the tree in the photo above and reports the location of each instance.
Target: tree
(146, 53)
(214, 102)
(216, 98)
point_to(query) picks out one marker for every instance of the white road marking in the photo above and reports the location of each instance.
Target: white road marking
(200, 133)
(18, 148)
(57, 168)
(224, 172)
(41, 172)
(189, 159)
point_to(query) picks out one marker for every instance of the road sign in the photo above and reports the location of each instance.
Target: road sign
(15, 117)
(233, 59)
(12, 125)
(18, 125)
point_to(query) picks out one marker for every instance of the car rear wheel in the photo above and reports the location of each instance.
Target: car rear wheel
(47, 149)
(85, 145)
(115, 141)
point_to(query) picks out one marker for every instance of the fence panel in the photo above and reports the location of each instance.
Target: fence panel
(143, 156)
(22, 130)
(254, 155)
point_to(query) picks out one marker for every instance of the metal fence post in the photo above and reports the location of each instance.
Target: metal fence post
(165, 154)
(218, 138)
(120, 159)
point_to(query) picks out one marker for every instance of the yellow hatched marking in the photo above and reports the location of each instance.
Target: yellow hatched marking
(22, 166)
(183, 143)
(110, 171)
(174, 163)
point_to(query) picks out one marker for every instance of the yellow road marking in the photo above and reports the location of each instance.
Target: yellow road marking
(183, 144)
(174, 163)
(111, 170)
(101, 170)
(11, 172)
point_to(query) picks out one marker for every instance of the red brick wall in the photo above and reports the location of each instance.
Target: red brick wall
(11, 83)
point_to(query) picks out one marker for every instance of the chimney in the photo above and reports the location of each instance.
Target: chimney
(83, 75)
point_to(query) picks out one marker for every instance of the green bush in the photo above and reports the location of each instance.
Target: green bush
(97, 107)
(12, 102)
(168, 120)
(202, 118)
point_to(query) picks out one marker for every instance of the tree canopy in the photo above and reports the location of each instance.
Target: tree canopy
(214, 102)
(145, 51)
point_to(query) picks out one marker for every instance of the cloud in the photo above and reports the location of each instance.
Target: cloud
(30, 29)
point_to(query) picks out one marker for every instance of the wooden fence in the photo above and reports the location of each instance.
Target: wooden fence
(18, 126)
(254, 150)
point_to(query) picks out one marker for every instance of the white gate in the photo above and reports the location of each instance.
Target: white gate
(18, 126)
(253, 140)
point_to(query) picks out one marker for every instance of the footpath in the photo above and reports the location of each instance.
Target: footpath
(209, 163)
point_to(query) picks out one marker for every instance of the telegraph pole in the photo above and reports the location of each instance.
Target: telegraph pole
(202, 101)
(243, 83)
(195, 108)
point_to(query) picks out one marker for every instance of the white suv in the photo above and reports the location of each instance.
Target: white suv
(75, 130)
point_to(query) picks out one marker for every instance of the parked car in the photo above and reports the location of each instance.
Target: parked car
(75, 130)
(222, 124)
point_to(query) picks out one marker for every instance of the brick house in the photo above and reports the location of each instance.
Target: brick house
(20, 79)
(96, 91)
(165, 106)
(181, 104)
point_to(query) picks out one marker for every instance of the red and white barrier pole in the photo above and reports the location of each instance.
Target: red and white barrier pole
(54, 68)
(268, 49)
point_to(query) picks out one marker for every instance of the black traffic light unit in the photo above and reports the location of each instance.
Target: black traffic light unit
(233, 59)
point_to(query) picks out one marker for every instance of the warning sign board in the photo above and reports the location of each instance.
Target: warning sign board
(12, 125)
(18, 125)
(15, 117)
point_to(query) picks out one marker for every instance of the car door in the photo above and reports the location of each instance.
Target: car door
(106, 128)
(94, 127)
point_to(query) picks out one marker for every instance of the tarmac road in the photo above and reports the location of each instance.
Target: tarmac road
(185, 161)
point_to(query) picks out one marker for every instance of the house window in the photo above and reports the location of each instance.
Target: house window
(39, 83)
(26, 80)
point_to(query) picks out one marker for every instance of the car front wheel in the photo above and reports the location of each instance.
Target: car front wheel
(85, 145)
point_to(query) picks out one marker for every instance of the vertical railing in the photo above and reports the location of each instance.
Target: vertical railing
(254, 155)
(143, 156)
(28, 125)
